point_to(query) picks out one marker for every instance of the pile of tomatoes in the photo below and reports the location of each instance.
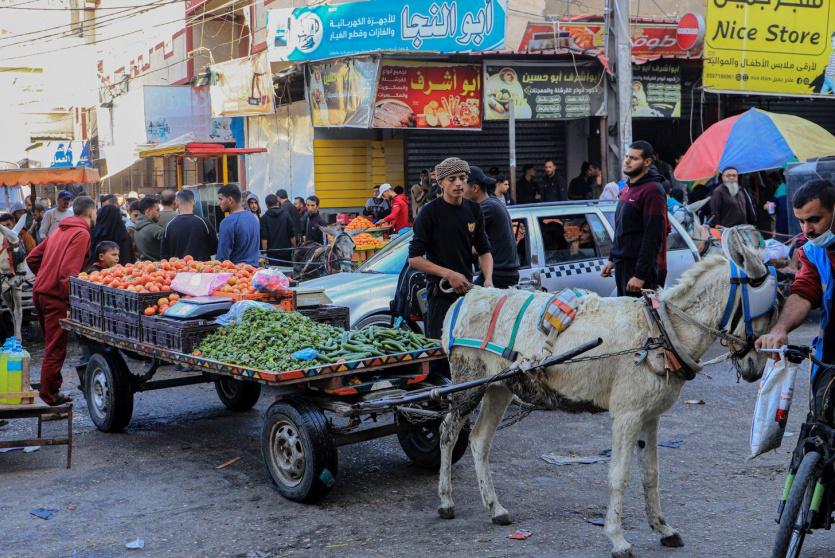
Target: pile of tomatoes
(156, 277)
(163, 304)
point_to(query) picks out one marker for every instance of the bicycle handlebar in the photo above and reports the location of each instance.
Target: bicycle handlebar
(797, 353)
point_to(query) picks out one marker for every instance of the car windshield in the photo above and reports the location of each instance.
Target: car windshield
(390, 259)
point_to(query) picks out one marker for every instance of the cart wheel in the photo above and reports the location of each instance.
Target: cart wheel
(237, 395)
(108, 392)
(421, 443)
(298, 450)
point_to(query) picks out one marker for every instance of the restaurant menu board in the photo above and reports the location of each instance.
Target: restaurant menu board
(340, 92)
(656, 90)
(428, 95)
(543, 91)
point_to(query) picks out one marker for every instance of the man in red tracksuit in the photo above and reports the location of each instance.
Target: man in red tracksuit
(54, 261)
(399, 216)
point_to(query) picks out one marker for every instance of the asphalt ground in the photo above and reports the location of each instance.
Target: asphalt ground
(158, 481)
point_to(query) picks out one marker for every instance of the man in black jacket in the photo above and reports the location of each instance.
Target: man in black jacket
(278, 234)
(553, 186)
(188, 234)
(640, 224)
(287, 206)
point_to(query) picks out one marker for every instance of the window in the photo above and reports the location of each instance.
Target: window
(572, 238)
(523, 242)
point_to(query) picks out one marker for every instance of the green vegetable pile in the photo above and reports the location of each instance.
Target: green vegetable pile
(265, 339)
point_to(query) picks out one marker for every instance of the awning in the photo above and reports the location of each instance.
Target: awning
(200, 150)
(49, 176)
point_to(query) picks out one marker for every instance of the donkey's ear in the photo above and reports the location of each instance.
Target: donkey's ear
(744, 245)
(332, 230)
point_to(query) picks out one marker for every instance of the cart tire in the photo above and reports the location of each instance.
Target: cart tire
(421, 444)
(107, 389)
(298, 450)
(237, 395)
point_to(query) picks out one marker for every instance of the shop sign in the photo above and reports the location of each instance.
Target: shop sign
(242, 87)
(341, 92)
(543, 91)
(656, 90)
(649, 40)
(783, 47)
(327, 31)
(428, 95)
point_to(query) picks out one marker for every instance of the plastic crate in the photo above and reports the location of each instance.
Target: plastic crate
(180, 336)
(337, 316)
(86, 313)
(286, 300)
(129, 302)
(85, 291)
(117, 322)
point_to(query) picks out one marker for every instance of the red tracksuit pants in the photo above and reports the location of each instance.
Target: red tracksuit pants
(50, 311)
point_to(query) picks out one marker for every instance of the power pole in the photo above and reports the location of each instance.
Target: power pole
(618, 87)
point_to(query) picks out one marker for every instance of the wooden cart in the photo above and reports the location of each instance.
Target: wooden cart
(315, 410)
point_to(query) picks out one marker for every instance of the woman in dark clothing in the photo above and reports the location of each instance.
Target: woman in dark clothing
(109, 226)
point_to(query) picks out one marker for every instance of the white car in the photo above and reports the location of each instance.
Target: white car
(548, 260)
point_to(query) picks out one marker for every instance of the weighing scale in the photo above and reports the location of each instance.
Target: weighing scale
(199, 307)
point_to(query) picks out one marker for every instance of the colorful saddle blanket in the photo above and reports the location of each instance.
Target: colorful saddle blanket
(556, 314)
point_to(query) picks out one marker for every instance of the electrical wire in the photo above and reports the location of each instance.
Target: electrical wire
(37, 9)
(92, 24)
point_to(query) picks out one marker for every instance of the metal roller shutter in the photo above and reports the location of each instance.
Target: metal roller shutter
(536, 140)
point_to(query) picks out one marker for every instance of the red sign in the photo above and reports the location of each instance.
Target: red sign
(428, 95)
(690, 32)
(649, 40)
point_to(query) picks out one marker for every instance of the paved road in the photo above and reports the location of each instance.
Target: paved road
(158, 482)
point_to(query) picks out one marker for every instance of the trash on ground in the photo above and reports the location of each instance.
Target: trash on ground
(694, 402)
(136, 544)
(520, 534)
(573, 459)
(72, 507)
(43, 513)
(27, 449)
(599, 521)
(340, 545)
(675, 444)
(225, 464)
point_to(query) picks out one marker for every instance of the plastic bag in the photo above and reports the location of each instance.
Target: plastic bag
(198, 284)
(775, 250)
(771, 411)
(236, 311)
(308, 353)
(270, 281)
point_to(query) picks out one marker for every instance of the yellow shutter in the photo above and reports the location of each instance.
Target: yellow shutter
(345, 171)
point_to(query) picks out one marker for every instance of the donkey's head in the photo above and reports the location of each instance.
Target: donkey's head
(755, 304)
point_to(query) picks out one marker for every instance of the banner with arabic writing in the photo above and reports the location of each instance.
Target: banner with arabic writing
(543, 91)
(656, 90)
(341, 92)
(783, 47)
(327, 31)
(428, 95)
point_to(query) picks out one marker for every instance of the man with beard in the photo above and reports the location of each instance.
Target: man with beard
(640, 222)
(730, 204)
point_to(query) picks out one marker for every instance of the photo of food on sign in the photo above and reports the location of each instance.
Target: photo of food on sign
(502, 89)
(428, 96)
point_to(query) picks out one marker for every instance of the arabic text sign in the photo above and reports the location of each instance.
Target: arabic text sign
(770, 46)
(428, 95)
(656, 90)
(542, 91)
(316, 33)
(341, 92)
(648, 39)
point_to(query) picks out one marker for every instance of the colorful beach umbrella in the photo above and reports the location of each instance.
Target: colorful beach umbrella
(753, 141)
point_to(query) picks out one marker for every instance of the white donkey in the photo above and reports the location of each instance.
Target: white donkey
(635, 394)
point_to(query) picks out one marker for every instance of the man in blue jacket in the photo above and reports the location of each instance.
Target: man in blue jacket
(240, 231)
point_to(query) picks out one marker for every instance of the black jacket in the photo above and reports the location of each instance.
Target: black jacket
(640, 224)
(311, 224)
(288, 207)
(277, 229)
(188, 235)
(553, 188)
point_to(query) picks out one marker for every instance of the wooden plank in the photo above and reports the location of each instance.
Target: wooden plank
(34, 442)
